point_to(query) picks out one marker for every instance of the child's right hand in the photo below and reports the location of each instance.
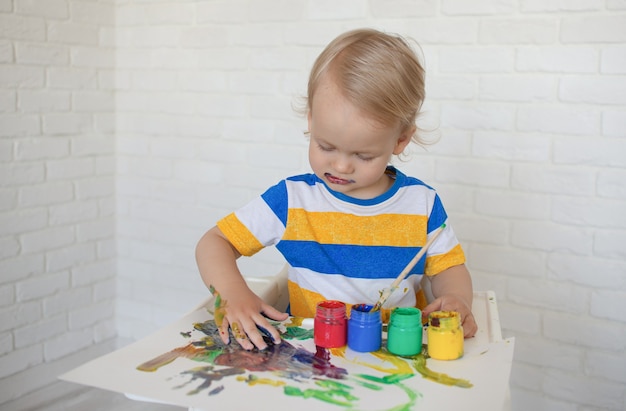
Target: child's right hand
(245, 314)
(237, 308)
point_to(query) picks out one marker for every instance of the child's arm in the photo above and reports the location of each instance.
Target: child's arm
(244, 310)
(452, 289)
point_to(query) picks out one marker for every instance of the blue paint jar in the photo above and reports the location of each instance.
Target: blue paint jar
(404, 332)
(365, 328)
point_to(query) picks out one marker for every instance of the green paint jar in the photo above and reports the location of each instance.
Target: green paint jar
(404, 332)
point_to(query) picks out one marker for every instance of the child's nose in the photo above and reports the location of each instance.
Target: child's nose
(343, 164)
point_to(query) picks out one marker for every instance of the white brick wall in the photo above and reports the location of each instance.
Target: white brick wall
(53, 227)
(528, 96)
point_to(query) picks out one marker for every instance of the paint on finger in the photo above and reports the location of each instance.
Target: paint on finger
(219, 307)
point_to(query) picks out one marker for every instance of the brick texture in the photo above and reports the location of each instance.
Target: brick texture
(50, 98)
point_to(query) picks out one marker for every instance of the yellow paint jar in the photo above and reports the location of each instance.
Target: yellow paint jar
(445, 335)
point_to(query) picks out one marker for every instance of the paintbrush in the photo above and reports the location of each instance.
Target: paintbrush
(386, 293)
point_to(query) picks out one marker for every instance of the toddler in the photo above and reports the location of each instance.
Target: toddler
(349, 228)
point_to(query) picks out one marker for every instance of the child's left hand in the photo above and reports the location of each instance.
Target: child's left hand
(451, 302)
(452, 289)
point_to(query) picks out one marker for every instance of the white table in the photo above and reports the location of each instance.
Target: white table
(486, 364)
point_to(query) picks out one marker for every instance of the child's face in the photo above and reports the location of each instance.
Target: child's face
(349, 150)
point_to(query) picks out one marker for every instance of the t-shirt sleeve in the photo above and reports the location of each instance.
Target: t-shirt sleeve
(258, 224)
(445, 251)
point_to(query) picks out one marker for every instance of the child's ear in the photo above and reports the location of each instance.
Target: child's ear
(404, 140)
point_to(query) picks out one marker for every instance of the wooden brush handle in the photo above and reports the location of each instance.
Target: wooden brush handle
(386, 293)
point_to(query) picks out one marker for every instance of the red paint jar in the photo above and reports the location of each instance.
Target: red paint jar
(330, 324)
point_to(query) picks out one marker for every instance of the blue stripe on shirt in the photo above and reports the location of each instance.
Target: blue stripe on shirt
(350, 260)
(437, 216)
(276, 199)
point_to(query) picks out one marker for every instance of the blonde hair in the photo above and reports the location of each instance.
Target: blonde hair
(377, 72)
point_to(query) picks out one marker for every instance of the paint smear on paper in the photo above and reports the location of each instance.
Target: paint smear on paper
(284, 359)
(252, 380)
(300, 373)
(322, 365)
(419, 362)
(395, 379)
(294, 330)
(327, 391)
(297, 333)
(398, 365)
(188, 351)
(207, 375)
(396, 368)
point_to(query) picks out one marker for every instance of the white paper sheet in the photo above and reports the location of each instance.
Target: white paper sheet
(486, 365)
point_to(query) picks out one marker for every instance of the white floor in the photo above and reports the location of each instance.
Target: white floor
(57, 395)
(65, 396)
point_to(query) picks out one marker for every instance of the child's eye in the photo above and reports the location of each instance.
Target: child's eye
(365, 157)
(324, 148)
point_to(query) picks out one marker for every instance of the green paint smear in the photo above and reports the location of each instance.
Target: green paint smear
(219, 307)
(297, 333)
(337, 395)
(218, 297)
(387, 379)
(332, 384)
(369, 385)
(419, 362)
(393, 379)
(208, 356)
(413, 396)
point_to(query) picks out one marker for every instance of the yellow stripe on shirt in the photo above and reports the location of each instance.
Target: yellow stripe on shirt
(302, 302)
(437, 263)
(400, 230)
(238, 234)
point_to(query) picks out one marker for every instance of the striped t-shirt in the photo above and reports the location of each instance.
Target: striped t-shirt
(342, 248)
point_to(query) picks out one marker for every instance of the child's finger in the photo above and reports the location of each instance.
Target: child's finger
(266, 328)
(269, 331)
(224, 335)
(255, 340)
(273, 313)
(435, 305)
(469, 326)
(241, 337)
(248, 336)
(237, 332)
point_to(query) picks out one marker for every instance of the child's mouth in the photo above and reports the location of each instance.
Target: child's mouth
(336, 180)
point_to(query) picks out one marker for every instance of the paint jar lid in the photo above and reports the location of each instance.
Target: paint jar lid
(444, 320)
(406, 316)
